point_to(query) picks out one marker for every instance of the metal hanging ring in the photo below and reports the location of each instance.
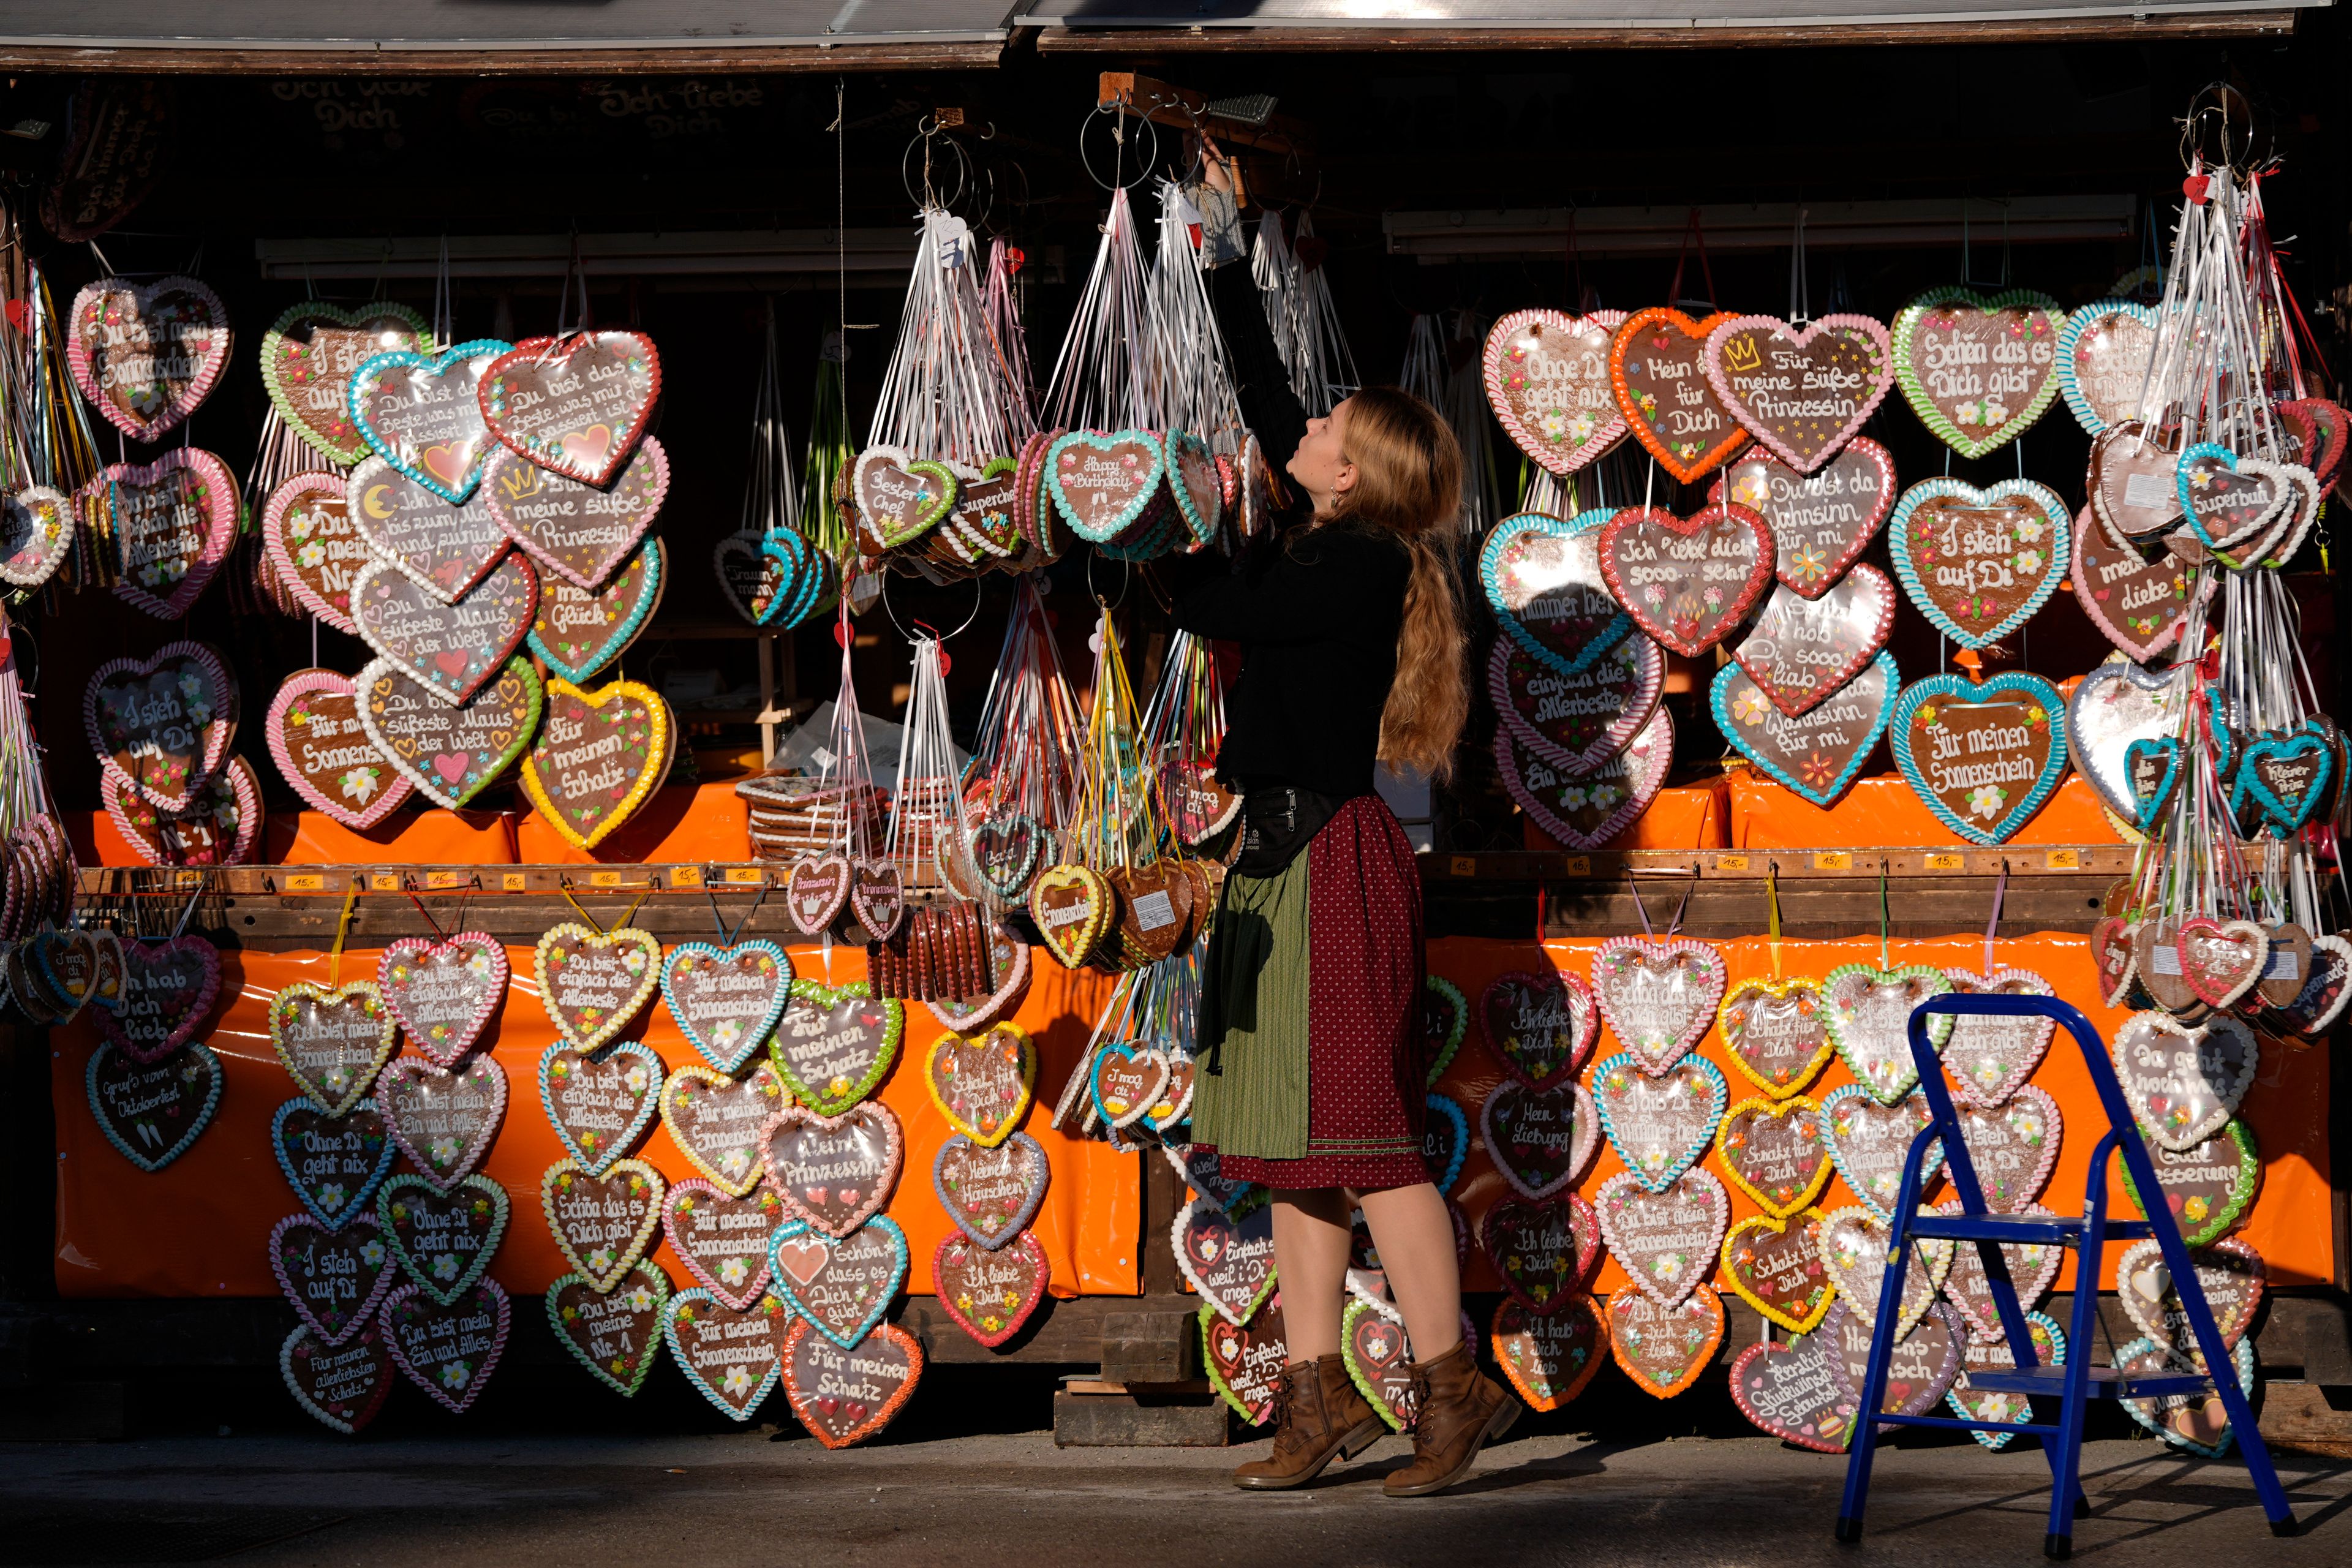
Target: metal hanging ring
(888, 609)
(1119, 166)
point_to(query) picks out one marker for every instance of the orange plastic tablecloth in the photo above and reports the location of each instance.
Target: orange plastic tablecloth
(1883, 812)
(2292, 1223)
(688, 824)
(434, 837)
(200, 1226)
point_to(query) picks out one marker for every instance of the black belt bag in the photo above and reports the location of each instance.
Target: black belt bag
(1277, 823)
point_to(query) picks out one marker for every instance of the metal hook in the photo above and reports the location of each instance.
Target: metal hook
(1118, 136)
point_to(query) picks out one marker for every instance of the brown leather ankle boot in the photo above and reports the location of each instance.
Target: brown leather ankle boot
(1460, 1410)
(1319, 1415)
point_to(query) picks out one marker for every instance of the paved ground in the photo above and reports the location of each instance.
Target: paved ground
(981, 1502)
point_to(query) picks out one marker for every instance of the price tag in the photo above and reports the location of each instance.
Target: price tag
(1946, 860)
(1462, 865)
(686, 877)
(752, 874)
(2063, 860)
(444, 879)
(384, 881)
(604, 878)
(1838, 860)
(1731, 862)
(306, 882)
(516, 882)
(1577, 866)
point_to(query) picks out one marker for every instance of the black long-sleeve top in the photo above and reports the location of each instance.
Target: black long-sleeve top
(1316, 609)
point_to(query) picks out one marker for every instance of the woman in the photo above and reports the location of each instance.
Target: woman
(1313, 1081)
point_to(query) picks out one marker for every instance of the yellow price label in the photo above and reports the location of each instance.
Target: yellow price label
(1731, 862)
(306, 882)
(516, 881)
(1945, 861)
(752, 874)
(2063, 860)
(1838, 860)
(1464, 865)
(384, 881)
(1577, 866)
(442, 879)
(604, 878)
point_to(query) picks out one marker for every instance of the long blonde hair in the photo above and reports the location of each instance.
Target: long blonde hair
(1408, 481)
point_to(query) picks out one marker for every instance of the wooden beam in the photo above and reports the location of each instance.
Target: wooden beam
(1181, 107)
(777, 59)
(1150, 42)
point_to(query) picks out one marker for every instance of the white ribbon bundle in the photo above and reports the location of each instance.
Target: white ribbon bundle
(948, 393)
(1108, 376)
(1196, 379)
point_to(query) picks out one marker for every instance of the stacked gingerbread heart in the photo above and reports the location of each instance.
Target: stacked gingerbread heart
(161, 727)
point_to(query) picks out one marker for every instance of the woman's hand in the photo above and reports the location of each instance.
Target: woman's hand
(1216, 168)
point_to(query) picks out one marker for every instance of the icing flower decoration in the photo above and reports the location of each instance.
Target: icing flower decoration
(456, 1375)
(734, 1271)
(1986, 800)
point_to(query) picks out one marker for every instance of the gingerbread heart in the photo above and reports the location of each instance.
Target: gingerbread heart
(334, 1163)
(991, 1193)
(1983, 756)
(334, 1278)
(1772, 1265)
(1127, 1078)
(1822, 521)
(1775, 1152)
(1657, 369)
(2231, 500)
(1576, 721)
(833, 1171)
(841, 1285)
(2184, 1081)
(574, 404)
(1800, 652)
(1229, 1260)
(2210, 1186)
(1978, 562)
(878, 898)
(578, 531)
(1776, 1031)
(733, 1355)
(594, 983)
(444, 1240)
(1659, 1124)
(602, 1223)
(1665, 1349)
(153, 1111)
(2222, 960)
(2104, 351)
(726, 1000)
(600, 755)
(1072, 906)
(1869, 1019)
(1546, 375)
(1922, 1364)
(599, 1102)
(832, 1045)
(1549, 1357)
(422, 413)
(444, 994)
(989, 1294)
(983, 1084)
(1977, 370)
(308, 358)
(449, 754)
(442, 1121)
(1658, 996)
(146, 355)
(1666, 1239)
(1544, 1252)
(1444, 1140)
(2196, 1422)
(1989, 1056)
(1791, 1392)
(723, 1240)
(1540, 1139)
(1819, 753)
(341, 1387)
(36, 531)
(844, 1397)
(2230, 1275)
(1104, 483)
(122, 131)
(1687, 581)
(332, 1041)
(1544, 582)
(162, 725)
(1589, 810)
(2033, 1269)
(579, 632)
(1993, 1355)
(451, 650)
(1541, 1025)
(717, 1121)
(615, 1335)
(1853, 1246)
(218, 827)
(2113, 708)
(446, 548)
(314, 734)
(816, 891)
(448, 1349)
(1802, 391)
(1869, 1141)
(2137, 604)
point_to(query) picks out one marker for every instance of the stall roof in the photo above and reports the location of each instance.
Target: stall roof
(409, 37)
(1302, 25)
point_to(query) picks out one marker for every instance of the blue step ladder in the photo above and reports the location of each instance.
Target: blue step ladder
(2077, 1382)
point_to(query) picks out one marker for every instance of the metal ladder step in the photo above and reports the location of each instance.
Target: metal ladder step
(2018, 1229)
(2106, 1382)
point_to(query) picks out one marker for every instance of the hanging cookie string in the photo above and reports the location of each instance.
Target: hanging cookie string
(598, 926)
(1992, 922)
(728, 935)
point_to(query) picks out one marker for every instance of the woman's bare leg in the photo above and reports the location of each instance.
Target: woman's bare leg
(1414, 1236)
(1310, 1257)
